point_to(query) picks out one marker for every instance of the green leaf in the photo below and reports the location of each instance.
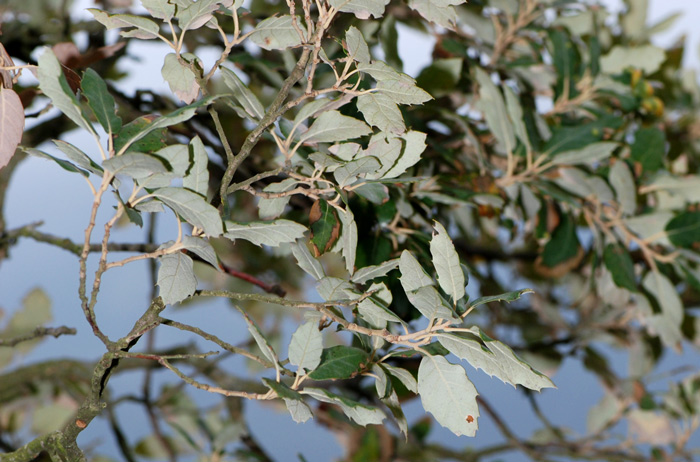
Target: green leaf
(666, 295)
(567, 63)
(649, 148)
(413, 276)
(143, 28)
(362, 9)
(376, 193)
(197, 14)
(348, 237)
(243, 95)
(403, 92)
(356, 46)
(79, 157)
(564, 243)
(35, 311)
(332, 126)
(331, 288)
(312, 109)
(324, 225)
(619, 263)
(161, 9)
(441, 76)
(605, 412)
(381, 382)
(684, 230)
(340, 362)
(177, 116)
(646, 57)
(387, 149)
(282, 390)
(592, 153)
(307, 262)
(447, 393)
(506, 297)
(382, 112)
(622, 181)
(446, 262)
(202, 248)
(53, 84)
(428, 301)
(193, 208)
(135, 165)
(374, 309)
(197, 178)
(52, 417)
(277, 33)
(64, 164)
(348, 173)
(567, 138)
(358, 412)
(404, 376)
(181, 79)
(152, 141)
(494, 109)
(296, 406)
(178, 157)
(299, 410)
(515, 111)
(496, 359)
(368, 273)
(306, 347)
(152, 447)
(100, 101)
(271, 233)
(260, 340)
(379, 71)
(440, 12)
(176, 277)
(272, 208)
(414, 147)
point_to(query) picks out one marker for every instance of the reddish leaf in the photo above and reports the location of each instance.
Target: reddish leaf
(11, 124)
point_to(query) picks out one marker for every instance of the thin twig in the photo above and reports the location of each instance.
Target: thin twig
(37, 333)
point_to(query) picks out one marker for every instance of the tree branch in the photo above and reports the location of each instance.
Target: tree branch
(36, 333)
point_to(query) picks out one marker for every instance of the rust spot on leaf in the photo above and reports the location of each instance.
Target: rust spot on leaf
(470, 419)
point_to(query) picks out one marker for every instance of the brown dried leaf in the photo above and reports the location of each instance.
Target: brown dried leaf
(11, 124)
(70, 56)
(5, 76)
(560, 269)
(67, 53)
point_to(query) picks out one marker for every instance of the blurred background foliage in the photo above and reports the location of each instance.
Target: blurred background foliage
(594, 207)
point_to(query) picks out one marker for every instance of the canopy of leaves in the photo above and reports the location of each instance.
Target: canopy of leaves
(529, 197)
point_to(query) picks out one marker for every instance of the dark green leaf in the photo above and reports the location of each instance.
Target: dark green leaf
(100, 101)
(340, 362)
(506, 297)
(684, 230)
(649, 148)
(324, 226)
(64, 164)
(563, 245)
(149, 143)
(619, 263)
(566, 62)
(282, 390)
(567, 138)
